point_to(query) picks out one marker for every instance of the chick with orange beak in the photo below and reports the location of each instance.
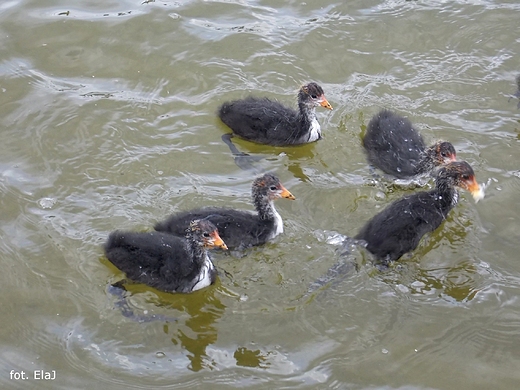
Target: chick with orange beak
(396, 147)
(164, 261)
(268, 122)
(239, 229)
(399, 228)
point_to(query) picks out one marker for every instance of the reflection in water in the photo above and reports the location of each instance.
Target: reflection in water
(334, 275)
(243, 160)
(459, 283)
(350, 260)
(456, 233)
(297, 171)
(203, 308)
(200, 330)
(119, 291)
(204, 313)
(248, 358)
(297, 158)
(247, 162)
(134, 348)
(203, 317)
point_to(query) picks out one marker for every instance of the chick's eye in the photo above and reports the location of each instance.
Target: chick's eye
(444, 154)
(206, 235)
(314, 96)
(465, 177)
(273, 188)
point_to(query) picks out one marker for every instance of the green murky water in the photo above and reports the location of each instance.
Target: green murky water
(107, 118)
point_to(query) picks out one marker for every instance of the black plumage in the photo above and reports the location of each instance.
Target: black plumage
(164, 261)
(399, 227)
(264, 121)
(393, 145)
(239, 229)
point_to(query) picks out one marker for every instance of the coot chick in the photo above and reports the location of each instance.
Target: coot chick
(239, 229)
(399, 227)
(166, 262)
(264, 121)
(395, 147)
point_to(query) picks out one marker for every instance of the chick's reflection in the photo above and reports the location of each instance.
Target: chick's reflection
(198, 331)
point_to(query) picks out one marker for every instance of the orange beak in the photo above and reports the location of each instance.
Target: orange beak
(475, 189)
(286, 194)
(216, 241)
(324, 103)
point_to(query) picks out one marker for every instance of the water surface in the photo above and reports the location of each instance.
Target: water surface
(107, 117)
